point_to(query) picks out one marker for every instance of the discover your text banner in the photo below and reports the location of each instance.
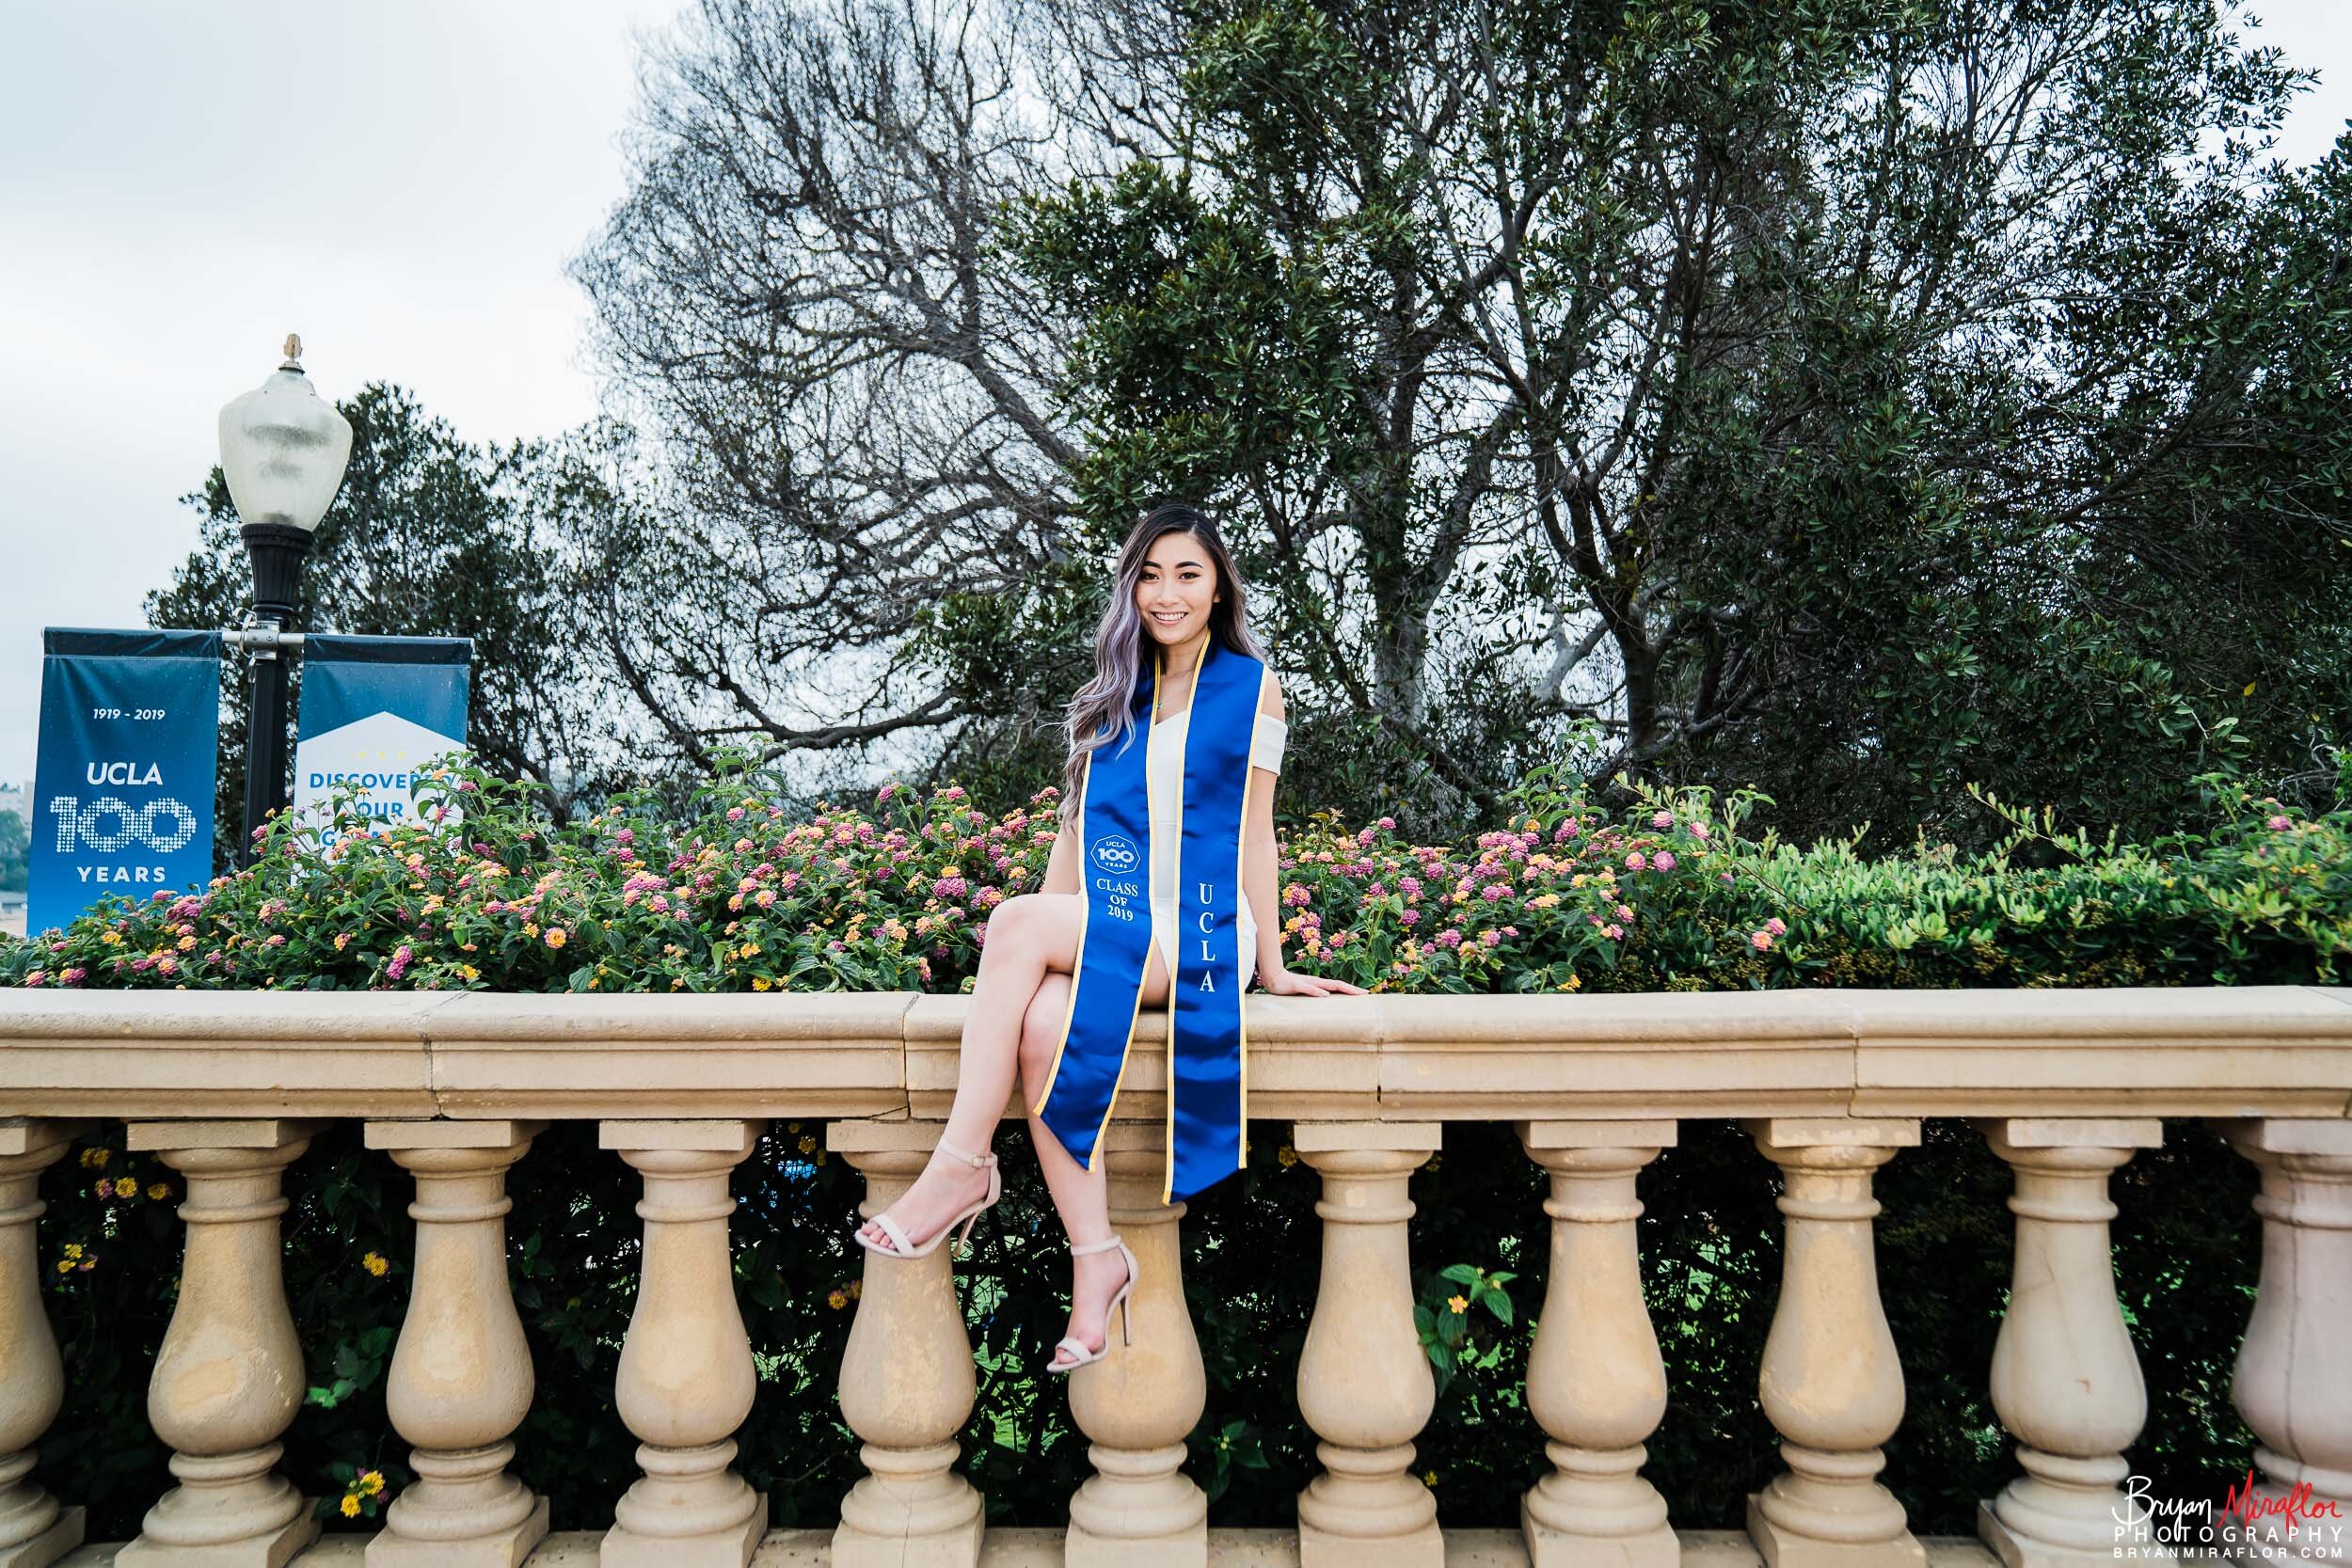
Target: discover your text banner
(373, 709)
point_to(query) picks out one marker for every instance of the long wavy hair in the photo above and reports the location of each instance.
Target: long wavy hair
(1103, 712)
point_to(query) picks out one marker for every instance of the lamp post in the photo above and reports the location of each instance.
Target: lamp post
(282, 450)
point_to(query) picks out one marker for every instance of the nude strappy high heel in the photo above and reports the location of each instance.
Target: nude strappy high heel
(898, 1246)
(1118, 1304)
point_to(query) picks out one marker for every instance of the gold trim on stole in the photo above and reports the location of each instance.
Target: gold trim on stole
(1176, 853)
(1241, 1004)
(1078, 954)
(1241, 847)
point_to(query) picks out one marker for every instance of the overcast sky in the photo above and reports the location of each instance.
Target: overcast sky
(182, 184)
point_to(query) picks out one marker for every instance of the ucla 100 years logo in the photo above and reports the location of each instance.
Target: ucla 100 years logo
(1116, 854)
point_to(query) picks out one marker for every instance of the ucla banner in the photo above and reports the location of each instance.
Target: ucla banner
(373, 709)
(122, 786)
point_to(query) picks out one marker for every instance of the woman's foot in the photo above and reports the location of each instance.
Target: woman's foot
(1094, 1278)
(946, 1187)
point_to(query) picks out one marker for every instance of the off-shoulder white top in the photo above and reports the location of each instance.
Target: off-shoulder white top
(1162, 759)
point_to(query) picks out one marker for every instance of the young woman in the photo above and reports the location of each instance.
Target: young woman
(1161, 887)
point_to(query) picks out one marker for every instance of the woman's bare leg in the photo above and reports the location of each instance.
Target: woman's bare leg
(1029, 936)
(1081, 1197)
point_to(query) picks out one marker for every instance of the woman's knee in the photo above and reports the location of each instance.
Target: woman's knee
(1014, 922)
(1042, 925)
(1037, 1060)
(1041, 1034)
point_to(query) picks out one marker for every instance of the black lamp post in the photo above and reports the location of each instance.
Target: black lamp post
(282, 450)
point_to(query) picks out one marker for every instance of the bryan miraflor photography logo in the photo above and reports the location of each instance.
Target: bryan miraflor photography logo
(2297, 1525)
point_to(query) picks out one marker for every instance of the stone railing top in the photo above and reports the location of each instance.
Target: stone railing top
(2251, 1051)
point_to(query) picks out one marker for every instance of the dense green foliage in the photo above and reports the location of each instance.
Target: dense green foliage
(2253, 893)
(1882, 385)
(16, 847)
(477, 891)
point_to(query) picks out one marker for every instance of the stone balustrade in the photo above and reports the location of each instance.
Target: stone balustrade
(231, 1088)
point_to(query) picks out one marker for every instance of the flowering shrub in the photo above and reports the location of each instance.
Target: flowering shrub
(736, 893)
(477, 893)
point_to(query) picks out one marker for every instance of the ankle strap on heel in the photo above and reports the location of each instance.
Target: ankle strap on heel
(975, 1161)
(1093, 1247)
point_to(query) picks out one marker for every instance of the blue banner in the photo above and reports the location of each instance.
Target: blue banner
(122, 790)
(373, 709)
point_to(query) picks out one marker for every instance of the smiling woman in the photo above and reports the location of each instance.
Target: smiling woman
(1067, 970)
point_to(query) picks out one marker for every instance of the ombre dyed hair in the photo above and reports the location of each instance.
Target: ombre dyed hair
(1103, 712)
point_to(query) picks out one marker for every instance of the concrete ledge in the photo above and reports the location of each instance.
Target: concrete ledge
(1043, 1548)
(2222, 1052)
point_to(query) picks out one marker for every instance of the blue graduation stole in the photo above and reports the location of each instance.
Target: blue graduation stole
(1207, 1127)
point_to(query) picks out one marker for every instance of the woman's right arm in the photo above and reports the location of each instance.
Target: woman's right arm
(1061, 866)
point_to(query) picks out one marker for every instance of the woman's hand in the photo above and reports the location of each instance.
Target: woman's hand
(1282, 982)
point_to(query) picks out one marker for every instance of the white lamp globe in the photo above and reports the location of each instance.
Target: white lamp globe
(284, 448)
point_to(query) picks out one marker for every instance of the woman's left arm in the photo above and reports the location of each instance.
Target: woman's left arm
(1260, 882)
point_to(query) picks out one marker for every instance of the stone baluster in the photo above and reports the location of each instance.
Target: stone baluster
(34, 1530)
(2294, 1379)
(1138, 1509)
(907, 1384)
(460, 1381)
(2066, 1381)
(1596, 1382)
(1831, 1383)
(687, 1377)
(1364, 1384)
(229, 1377)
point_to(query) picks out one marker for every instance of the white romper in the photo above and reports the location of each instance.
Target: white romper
(1162, 759)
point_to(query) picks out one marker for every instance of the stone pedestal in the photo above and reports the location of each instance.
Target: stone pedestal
(2293, 1385)
(1831, 1383)
(907, 1382)
(229, 1377)
(1139, 1403)
(34, 1531)
(1596, 1382)
(460, 1381)
(1364, 1383)
(2065, 1380)
(687, 1377)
